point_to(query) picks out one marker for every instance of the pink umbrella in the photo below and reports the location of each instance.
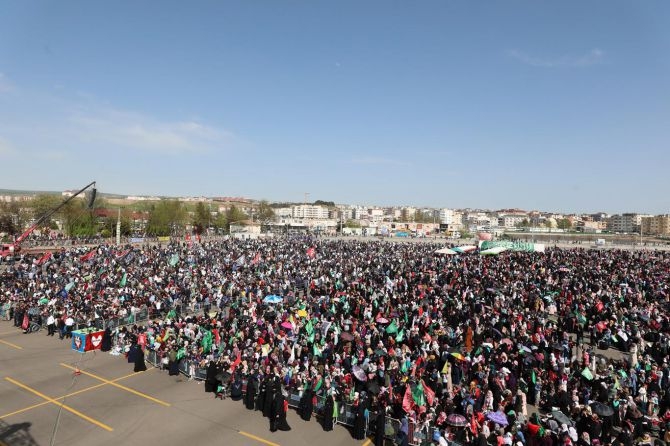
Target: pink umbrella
(507, 341)
(382, 320)
(287, 325)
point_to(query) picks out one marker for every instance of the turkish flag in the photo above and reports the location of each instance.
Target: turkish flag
(311, 252)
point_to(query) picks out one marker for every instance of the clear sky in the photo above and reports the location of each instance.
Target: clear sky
(550, 105)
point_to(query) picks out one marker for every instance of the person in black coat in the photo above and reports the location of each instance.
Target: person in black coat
(328, 408)
(278, 413)
(250, 394)
(106, 340)
(269, 395)
(140, 366)
(306, 406)
(262, 391)
(360, 420)
(211, 382)
(380, 427)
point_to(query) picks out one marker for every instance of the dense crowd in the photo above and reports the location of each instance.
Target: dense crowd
(556, 348)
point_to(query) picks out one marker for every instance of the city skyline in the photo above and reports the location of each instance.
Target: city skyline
(538, 106)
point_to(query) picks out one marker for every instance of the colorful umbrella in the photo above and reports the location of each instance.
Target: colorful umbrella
(302, 313)
(287, 325)
(507, 341)
(458, 356)
(346, 336)
(359, 373)
(382, 320)
(457, 420)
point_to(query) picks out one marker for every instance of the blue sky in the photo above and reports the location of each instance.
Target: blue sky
(560, 105)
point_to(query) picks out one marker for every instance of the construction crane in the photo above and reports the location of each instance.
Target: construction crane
(11, 249)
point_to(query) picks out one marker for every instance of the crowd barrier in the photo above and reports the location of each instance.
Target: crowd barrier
(346, 415)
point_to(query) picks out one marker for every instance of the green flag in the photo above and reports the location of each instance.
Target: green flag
(318, 385)
(400, 336)
(392, 328)
(533, 379)
(174, 259)
(317, 352)
(206, 342)
(586, 373)
(309, 328)
(171, 314)
(181, 353)
(418, 395)
(124, 279)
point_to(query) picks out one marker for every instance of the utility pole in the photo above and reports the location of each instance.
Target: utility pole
(306, 197)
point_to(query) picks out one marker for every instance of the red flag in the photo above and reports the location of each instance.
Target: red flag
(256, 259)
(26, 321)
(44, 258)
(429, 393)
(407, 401)
(235, 363)
(121, 254)
(87, 257)
(311, 252)
(600, 306)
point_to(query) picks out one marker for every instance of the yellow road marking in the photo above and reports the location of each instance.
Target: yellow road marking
(112, 383)
(367, 442)
(58, 403)
(18, 347)
(259, 439)
(86, 389)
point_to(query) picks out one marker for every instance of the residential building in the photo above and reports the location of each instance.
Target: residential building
(310, 211)
(626, 223)
(657, 225)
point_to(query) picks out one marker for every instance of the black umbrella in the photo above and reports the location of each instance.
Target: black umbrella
(561, 418)
(601, 409)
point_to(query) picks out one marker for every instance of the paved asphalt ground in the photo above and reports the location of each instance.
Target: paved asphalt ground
(108, 404)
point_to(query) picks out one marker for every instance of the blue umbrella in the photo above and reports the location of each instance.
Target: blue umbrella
(272, 299)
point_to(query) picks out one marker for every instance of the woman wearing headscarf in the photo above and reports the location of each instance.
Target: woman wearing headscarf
(278, 415)
(211, 382)
(140, 366)
(380, 427)
(306, 405)
(106, 340)
(328, 412)
(360, 422)
(250, 394)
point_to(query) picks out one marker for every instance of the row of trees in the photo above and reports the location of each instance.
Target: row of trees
(163, 218)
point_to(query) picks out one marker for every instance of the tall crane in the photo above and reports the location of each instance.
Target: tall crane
(10, 249)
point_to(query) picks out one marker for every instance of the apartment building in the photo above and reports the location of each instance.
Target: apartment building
(656, 225)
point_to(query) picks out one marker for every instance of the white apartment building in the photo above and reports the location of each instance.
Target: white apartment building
(376, 214)
(510, 220)
(310, 211)
(447, 216)
(283, 212)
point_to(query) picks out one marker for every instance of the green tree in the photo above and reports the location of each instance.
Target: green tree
(265, 214)
(564, 223)
(42, 204)
(201, 218)
(233, 215)
(13, 218)
(167, 217)
(523, 223)
(352, 224)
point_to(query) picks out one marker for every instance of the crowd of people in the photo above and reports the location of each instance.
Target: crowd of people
(565, 347)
